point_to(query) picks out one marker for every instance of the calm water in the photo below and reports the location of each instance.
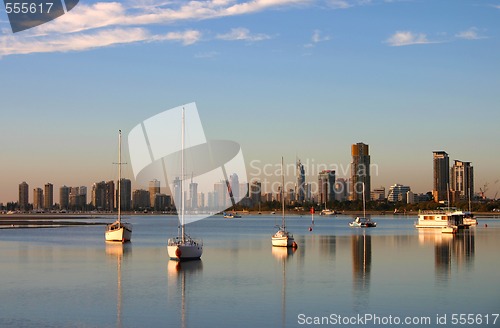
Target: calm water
(69, 277)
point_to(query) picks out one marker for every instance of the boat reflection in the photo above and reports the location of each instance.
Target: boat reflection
(449, 250)
(118, 251)
(179, 274)
(283, 254)
(361, 245)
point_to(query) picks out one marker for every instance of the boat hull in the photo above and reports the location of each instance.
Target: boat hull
(121, 232)
(362, 223)
(283, 241)
(186, 251)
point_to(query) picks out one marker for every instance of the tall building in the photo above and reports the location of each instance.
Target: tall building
(154, 188)
(360, 171)
(64, 197)
(462, 179)
(125, 195)
(162, 202)
(140, 199)
(221, 195)
(99, 195)
(193, 195)
(176, 192)
(398, 193)
(301, 181)
(326, 186)
(48, 200)
(341, 190)
(255, 192)
(37, 198)
(234, 188)
(78, 198)
(109, 198)
(23, 196)
(441, 175)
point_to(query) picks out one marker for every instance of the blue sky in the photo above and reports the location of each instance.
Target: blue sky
(281, 77)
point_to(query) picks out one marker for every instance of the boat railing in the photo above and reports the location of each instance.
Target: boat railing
(187, 240)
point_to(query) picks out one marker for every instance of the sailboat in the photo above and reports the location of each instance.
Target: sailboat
(183, 247)
(118, 231)
(282, 237)
(363, 222)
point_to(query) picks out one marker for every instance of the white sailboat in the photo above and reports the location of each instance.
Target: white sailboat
(282, 237)
(118, 231)
(183, 247)
(363, 222)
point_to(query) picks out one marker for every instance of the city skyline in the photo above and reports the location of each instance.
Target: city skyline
(406, 77)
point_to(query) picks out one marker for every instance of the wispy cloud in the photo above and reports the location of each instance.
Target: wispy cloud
(317, 37)
(105, 23)
(406, 38)
(242, 34)
(207, 55)
(470, 34)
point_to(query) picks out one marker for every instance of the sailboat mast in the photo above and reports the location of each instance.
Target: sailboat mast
(119, 174)
(282, 195)
(182, 174)
(364, 201)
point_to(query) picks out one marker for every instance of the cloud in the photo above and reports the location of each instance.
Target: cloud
(317, 38)
(12, 44)
(242, 34)
(406, 38)
(470, 34)
(207, 55)
(103, 23)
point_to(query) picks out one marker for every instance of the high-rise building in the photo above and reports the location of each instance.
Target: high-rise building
(462, 179)
(140, 199)
(301, 181)
(398, 193)
(23, 196)
(193, 195)
(341, 190)
(235, 188)
(441, 175)
(326, 186)
(99, 195)
(154, 188)
(360, 171)
(221, 195)
(37, 198)
(125, 195)
(255, 192)
(78, 198)
(109, 198)
(64, 198)
(162, 202)
(48, 200)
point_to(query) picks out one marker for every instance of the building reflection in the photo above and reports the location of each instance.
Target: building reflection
(361, 260)
(179, 276)
(117, 252)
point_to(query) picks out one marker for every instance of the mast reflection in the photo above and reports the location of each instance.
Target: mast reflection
(118, 251)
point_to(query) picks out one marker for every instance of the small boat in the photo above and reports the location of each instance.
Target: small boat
(327, 211)
(231, 215)
(183, 247)
(363, 222)
(118, 231)
(282, 237)
(449, 229)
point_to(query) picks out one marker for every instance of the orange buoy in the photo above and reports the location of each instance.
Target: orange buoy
(294, 245)
(310, 229)
(178, 253)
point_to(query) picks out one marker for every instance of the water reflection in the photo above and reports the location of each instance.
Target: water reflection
(450, 249)
(179, 275)
(117, 251)
(283, 254)
(361, 266)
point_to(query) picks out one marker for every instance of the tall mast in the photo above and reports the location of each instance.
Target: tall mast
(119, 174)
(182, 174)
(364, 201)
(282, 195)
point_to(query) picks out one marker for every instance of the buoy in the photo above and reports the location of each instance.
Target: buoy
(485, 225)
(310, 229)
(294, 245)
(178, 253)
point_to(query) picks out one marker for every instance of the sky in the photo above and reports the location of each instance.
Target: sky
(291, 78)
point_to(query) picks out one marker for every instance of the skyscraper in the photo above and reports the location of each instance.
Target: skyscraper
(235, 188)
(360, 171)
(193, 195)
(109, 198)
(441, 175)
(98, 195)
(301, 181)
(462, 179)
(141, 199)
(64, 197)
(154, 188)
(48, 201)
(326, 186)
(125, 194)
(255, 192)
(23, 196)
(37, 198)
